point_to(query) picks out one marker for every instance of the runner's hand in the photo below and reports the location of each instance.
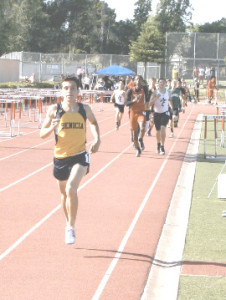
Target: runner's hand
(55, 123)
(94, 147)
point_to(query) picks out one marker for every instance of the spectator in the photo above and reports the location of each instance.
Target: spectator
(86, 82)
(79, 74)
(201, 75)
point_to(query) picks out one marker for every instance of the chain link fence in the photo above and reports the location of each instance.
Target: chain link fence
(50, 67)
(185, 51)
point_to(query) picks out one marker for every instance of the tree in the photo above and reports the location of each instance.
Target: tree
(173, 15)
(150, 45)
(215, 27)
(141, 12)
(4, 25)
(27, 24)
(121, 35)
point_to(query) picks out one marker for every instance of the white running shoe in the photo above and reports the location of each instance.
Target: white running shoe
(69, 235)
(162, 150)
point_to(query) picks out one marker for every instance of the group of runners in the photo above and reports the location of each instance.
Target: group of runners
(148, 105)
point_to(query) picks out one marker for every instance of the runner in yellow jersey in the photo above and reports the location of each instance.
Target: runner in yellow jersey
(71, 160)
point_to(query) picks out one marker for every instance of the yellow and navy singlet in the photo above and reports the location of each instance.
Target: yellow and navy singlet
(71, 132)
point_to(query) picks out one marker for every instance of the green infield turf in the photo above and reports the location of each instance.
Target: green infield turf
(206, 234)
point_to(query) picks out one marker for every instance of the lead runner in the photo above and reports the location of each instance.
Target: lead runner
(71, 160)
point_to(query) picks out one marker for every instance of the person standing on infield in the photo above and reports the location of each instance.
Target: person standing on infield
(71, 160)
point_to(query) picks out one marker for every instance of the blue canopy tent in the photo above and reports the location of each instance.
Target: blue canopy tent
(115, 70)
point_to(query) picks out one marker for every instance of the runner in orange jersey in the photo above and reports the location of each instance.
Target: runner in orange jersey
(136, 99)
(211, 88)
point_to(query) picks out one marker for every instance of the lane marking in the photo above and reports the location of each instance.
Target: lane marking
(18, 136)
(50, 140)
(37, 225)
(25, 177)
(20, 152)
(46, 166)
(115, 260)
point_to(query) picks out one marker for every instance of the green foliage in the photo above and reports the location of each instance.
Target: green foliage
(141, 12)
(76, 26)
(173, 16)
(122, 33)
(88, 26)
(26, 24)
(205, 235)
(20, 84)
(150, 45)
(202, 288)
(218, 26)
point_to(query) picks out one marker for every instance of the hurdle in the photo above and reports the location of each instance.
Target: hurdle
(12, 107)
(94, 96)
(215, 118)
(222, 144)
(221, 109)
(101, 101)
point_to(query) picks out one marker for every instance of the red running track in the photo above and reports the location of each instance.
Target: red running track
(123, 203)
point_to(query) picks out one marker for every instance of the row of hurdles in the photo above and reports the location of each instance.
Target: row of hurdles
(24, 108)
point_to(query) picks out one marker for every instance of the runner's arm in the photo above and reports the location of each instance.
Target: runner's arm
(129, 100)
(112, 99)
(170, 102)
(50, 122)
(94, 129)
(154, 97)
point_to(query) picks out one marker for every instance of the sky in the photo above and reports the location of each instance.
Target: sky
(204, 10)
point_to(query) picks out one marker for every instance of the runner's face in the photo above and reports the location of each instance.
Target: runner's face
(137, 82)
(162, 84)
(178, 84)
(121, 85)
(69, 91)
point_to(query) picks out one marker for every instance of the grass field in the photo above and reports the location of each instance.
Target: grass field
(205, 240)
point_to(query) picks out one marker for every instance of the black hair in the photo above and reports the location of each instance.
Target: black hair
(70, 78)
(122, 80)
(161, 78)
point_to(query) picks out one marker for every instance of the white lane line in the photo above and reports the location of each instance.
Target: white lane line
(46, 166)
(50, 140)
(25, 177)
(29, 232)
(114, 262)
(37, 225)
(30, 148)
(18, 136)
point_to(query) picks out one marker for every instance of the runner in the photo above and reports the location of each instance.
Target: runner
(161, 99)
(176, 105)
(119, 97)
(136, 98)
(71, 161)
(149, 110)
(211, 88)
